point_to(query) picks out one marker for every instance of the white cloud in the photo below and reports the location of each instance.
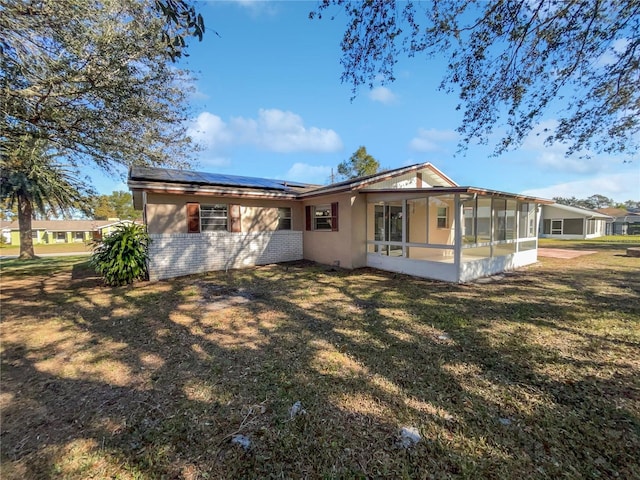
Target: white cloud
(210, 131)
(553, 157)
(619, 186)
(618, 47)
(274, 130)
(306, 173)
(257, 7)
(382, 95)
(431, 140)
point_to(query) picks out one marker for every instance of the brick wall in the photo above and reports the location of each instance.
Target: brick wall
(177, 254)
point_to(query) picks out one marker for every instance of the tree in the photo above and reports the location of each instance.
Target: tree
(632, 205)
(93, 81)
(599, 201)
(509, 60)
(591, 203)
(358, 165)
(8, 213)
(32, 179)
(117, 205)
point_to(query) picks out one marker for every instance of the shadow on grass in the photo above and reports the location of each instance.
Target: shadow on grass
(527, 377)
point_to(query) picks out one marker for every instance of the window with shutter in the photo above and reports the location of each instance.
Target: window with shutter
(322, 217)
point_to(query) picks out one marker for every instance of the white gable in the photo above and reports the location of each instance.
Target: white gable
(424, 178)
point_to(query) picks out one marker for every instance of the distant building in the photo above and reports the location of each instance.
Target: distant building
(622, 221)
(46, 232)
(571, 223)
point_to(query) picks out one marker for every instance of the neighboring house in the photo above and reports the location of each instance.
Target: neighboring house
(622, 222)
(46, 232)
(412, 220)
(571, 223)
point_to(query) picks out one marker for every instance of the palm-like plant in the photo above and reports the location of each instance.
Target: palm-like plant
(32, 178)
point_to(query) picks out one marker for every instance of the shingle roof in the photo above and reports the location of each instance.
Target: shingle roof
(141, 177)
(580, 211)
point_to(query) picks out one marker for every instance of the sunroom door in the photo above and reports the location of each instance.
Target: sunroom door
(388, 225)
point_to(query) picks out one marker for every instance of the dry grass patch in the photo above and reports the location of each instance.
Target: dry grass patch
(534, 376)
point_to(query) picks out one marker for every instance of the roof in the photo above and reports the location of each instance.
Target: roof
(171, 180)
(634, 218)
(363, 182)
(613, 212)
(164, 180)
(62, 225)
(580, 211)
(188, 177)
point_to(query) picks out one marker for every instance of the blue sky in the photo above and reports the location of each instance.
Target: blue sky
(268, 102)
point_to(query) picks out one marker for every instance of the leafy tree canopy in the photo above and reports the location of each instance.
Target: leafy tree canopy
(33, 180)
(117, 205)
(358, 165)
(95, 80)
(509, 60)
(595, 202)
(90, 82)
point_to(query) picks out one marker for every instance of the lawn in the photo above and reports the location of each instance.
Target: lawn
(532, 375)
(50, 249)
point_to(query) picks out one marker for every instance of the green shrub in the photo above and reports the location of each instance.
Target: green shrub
(121, 257)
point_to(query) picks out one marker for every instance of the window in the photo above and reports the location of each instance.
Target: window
(78, 236)
(34, 234)
(61, 237)
(442, 217)
(573, 226)
(210, 218)
(483, 220)
(213, 217)
(499, 219)
(322, 217)
(284, 218)
(527, 221)
(469, 221)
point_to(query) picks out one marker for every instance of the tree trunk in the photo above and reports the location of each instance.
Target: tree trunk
(25, 213)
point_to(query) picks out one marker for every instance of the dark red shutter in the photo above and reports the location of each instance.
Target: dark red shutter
(307, 211)
(235, 224)
(334, 217)
(193, 217)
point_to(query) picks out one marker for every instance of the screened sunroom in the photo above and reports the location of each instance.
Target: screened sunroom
(455, 234)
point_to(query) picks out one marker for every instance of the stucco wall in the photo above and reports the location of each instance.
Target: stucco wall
(358, 230)
(167, 213)
(174, 255)
(332, 248)
(551, 212)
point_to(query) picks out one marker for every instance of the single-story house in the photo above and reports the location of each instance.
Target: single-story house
(622, 222)
(412, 220)
(571, 223)
(60, 231)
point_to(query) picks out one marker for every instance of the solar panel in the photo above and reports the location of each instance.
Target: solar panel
(205, 178)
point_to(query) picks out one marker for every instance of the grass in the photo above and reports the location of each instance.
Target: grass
(532, 376)
(608, 241)
(42, 249)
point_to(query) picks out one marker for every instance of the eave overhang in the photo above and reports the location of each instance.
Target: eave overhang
(194, 189)
(460, 190)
